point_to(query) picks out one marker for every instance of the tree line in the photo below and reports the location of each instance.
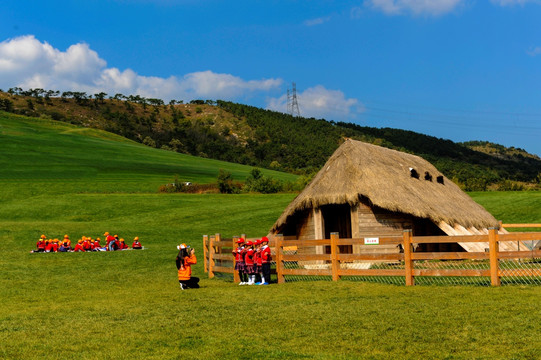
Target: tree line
(253, 136)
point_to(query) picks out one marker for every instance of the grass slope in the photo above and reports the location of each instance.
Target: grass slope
(127, 305)
(74, 157)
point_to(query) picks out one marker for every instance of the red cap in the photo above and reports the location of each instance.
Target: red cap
(258, 242)
(240, 241)
(249, 243)
(264, 239)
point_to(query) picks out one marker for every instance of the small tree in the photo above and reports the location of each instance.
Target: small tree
(225, 182)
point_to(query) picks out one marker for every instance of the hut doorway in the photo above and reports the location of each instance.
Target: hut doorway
(337, 218)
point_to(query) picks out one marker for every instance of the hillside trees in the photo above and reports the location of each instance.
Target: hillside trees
(248, 135)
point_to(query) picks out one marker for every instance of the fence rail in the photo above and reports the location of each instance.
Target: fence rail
(392, 257)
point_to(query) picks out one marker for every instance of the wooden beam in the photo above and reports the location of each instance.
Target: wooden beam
(211, 255)
(279, 263)
(493, 247)
(408, 262)
(205, 252)
(335, 263)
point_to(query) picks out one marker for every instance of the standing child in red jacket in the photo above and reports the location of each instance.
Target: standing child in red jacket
(258, 262)
(249, 263)
(239, 261)
(266, 260)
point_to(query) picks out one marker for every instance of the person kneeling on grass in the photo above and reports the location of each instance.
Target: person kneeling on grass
(185, 259)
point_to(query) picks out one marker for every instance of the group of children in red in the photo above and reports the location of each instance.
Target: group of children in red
(253, 261)
(84, 244)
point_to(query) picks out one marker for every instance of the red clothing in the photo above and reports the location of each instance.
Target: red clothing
(249, 257)
(266, 254)
(40, 244)
(185, 272)
(108, 239)
(257, 258)
(238, 254)
(136, 245)
(123, 245)
(54, 247)
(78, 247)
(87, 245)
(49, 247)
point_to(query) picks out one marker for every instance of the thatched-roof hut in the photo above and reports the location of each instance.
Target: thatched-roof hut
(368, 190)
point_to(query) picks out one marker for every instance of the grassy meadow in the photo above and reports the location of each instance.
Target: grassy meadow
(58, 179)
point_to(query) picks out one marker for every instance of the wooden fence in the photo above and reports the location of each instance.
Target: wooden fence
(219, 258)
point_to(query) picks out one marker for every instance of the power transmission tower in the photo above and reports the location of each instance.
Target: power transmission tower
(292, 103)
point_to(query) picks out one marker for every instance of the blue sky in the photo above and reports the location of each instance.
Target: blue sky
(455, 69)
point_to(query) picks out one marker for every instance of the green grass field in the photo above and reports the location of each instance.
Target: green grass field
(57, 179)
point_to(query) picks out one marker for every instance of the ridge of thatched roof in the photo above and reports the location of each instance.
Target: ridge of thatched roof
(383, 176)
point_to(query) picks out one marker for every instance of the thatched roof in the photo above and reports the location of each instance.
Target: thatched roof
(382, 177)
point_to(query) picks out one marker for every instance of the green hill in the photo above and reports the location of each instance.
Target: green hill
(58, 154)
(256, 137)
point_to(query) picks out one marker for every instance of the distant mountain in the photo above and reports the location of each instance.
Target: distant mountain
(257, 137)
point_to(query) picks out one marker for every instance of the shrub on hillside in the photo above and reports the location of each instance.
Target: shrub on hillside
(257, 182)
(226, 185)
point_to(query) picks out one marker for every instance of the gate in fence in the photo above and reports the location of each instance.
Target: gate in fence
(392, 259)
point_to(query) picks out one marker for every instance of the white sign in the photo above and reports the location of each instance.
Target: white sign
(371, 241)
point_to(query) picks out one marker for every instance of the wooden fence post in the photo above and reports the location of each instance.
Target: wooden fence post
(335, 264)
(279, 262)
(236, 277)
(205, 252)
(494, 248)
(211, 257)
(408, 263)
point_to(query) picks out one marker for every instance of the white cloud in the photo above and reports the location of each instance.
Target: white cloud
(317, 21)
(320, 102)
(414, 7)
(534, 51)
(28, 63)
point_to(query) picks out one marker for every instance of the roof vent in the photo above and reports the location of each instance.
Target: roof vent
(414, 173)
(428, 177)
(439, 179)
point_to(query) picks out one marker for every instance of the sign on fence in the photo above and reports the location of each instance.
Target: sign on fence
(371, 241)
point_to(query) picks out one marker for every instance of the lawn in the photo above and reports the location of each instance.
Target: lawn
(127, 305)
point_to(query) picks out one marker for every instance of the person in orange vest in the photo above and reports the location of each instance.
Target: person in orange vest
(65, 245)
(136, 244)
(79, 246)
(185, 259)
(123, 245)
